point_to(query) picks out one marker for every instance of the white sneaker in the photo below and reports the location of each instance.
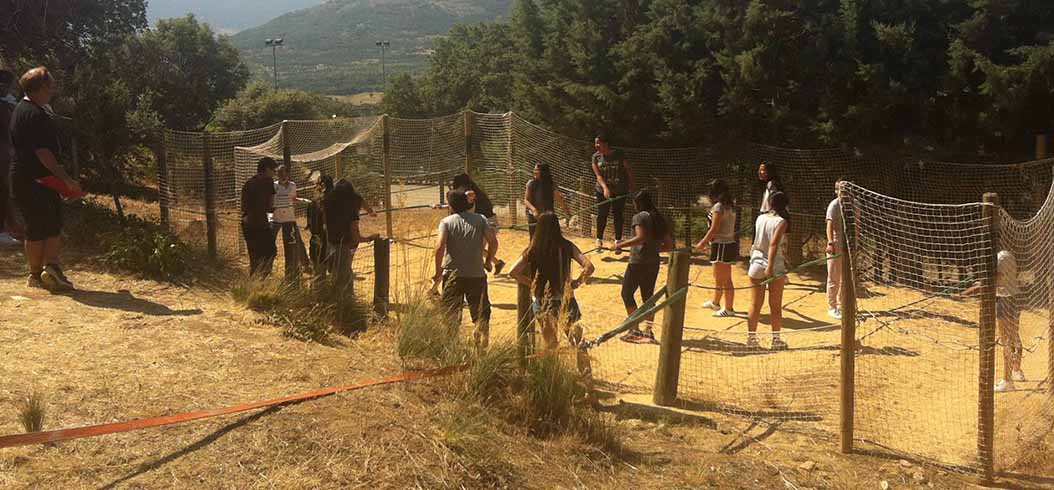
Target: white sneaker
(723, 313)
(1018, 376)
(710, 305)
(834, 313)
(600, 244)
(1004, 386)
(55, 279)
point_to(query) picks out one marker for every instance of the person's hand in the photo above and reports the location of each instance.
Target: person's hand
(701, 246)
(73, 185)
(575, 283)
(607, 193)
(769, 272)
(617, 248)
(830, 249)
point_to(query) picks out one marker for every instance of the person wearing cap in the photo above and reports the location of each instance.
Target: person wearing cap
(36, 145)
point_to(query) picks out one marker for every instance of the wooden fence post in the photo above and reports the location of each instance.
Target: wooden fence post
(381, 276)
(162, 180)
(1041, 145)
(848, 355)
(986, 376)
(210, 197)
(524, 322)
(387, 160)
(667, 376)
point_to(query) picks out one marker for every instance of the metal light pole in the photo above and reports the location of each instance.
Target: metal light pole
(384, 74)
(274, 44)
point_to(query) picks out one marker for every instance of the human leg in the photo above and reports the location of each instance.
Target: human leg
(603, 210)
(649, 275)
(618, 209)
(834, 282)
(776, 309)
(630, 283)
(478, 299)
(723, 280)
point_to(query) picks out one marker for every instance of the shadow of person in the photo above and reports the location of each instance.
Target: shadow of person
(124, 300)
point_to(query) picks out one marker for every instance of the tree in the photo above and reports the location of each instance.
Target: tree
(187, 68)
(260, 105)
(402, 98)
(34, 32)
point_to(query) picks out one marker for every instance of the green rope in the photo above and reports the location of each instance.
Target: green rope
(638, 316)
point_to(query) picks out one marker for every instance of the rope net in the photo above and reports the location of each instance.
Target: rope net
(916, 241)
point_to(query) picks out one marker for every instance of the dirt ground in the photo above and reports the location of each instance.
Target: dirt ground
(125, 348)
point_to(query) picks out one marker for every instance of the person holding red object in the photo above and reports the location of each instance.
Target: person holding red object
(36, 144)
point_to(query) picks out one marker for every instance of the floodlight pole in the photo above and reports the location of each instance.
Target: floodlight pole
(384, 72)
(274, 44)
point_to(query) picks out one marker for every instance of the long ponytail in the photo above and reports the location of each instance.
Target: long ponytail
(779, 202)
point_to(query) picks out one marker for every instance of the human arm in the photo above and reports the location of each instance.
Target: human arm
(519, 270)
(715, 223)
(356, 234)
(440, 251)
(587, 267)
(830, 236)
(774, 247)
(973, 290)
(600, 180)
(47, 158)
(639, 237)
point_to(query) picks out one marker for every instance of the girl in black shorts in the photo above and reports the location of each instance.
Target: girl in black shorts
(724, 250)
(651, 235)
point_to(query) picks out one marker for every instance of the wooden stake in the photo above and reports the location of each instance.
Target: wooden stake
(387, 160)
(381, 276)
(986, 334)
(667, 376)
(211, 222)
(848, 355)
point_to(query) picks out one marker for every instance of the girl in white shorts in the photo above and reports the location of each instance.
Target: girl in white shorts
(767, 261)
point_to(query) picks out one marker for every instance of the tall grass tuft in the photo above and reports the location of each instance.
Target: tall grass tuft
(31, 412)
(309, 312)
(550, 393)
(493, 373)
(424, 334)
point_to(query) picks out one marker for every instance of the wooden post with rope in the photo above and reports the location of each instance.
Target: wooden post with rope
(986, 334)
(381, 276)
(387, 161)
(210, 196)
(524, 322)
(1041, 145)
(667, 376)
(847, 392)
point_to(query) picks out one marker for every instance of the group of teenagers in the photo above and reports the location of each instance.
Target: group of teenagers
(467, 249)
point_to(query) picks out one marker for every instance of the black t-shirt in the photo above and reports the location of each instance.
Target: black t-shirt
(341, 206)
(647, 252)
(6, 113)
(482, 205)
(316, 219)
(256, 195)
(613, 171)
(31, 130)
(541, 200)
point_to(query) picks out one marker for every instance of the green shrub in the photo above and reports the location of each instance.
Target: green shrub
(134, 245)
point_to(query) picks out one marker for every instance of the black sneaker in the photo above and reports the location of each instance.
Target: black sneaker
(633, 336)
(498, 266)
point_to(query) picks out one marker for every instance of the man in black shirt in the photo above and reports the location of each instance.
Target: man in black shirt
(36, 144)
(257, 201)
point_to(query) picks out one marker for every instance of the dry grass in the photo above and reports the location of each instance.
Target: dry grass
(32, 411)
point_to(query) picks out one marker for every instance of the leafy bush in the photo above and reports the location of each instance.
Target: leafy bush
(133, 245)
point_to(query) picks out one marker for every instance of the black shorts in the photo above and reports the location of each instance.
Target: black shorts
(725, 253)
(41, 209)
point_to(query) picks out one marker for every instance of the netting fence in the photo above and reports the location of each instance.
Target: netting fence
(919, 238)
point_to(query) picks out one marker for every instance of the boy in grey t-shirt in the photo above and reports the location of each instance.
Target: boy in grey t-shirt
(459, 264)
(835, 262)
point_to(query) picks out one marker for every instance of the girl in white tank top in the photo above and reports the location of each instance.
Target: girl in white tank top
(767, 264)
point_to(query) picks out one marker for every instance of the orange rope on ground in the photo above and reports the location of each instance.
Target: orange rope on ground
(98, 430)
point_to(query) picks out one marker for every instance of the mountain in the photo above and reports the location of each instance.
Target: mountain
(330, 48)
(226, 16)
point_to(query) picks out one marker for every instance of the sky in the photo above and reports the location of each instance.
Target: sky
(226, 16)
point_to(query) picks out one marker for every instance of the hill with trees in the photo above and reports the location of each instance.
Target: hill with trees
(330, 48)
(227, 16)
(955, 77)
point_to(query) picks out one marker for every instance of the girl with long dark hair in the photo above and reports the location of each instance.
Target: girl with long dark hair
(541, 196)
(724, 249)
(766, 262)
(652, 234)
(769, 176)
(342, 207)
(545, 266)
